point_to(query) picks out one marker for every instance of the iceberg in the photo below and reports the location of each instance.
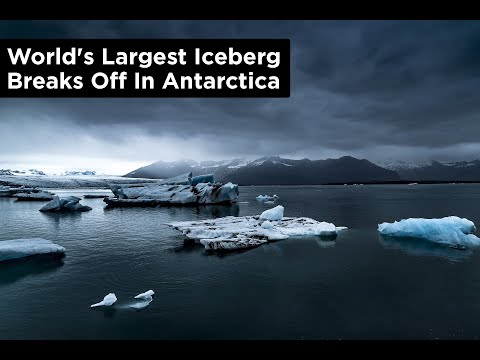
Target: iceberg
(34, 196)
(267, 197)
(234, 233)
(70, 203)
(450, 230)
(20, 248)
(108, 300)
(173, 195)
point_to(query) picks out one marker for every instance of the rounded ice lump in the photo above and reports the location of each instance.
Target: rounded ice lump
(450, 230)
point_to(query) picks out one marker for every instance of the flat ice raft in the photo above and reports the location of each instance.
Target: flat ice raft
(20, 248)
(450, 230)
(233, 233)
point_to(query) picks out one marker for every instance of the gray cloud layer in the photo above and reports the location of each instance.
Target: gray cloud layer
(378, 89)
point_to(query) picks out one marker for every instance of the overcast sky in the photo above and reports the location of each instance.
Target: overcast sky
(381, 90)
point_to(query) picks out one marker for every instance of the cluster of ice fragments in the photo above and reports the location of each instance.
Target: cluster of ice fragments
(233, 233)
(450, 230)
(141, 300)
(20, 248)
(181, 190)
(70, 203)
(267, 198)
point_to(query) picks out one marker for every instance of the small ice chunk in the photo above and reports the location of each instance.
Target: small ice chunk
(267, 225)
(273, 214)
(145, 295)
(108, 300)
(269, 202)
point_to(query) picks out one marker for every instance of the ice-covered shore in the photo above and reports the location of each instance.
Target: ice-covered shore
(68, 182)
(234, 233)
(20, 248)
(183, 190)
(450, 230)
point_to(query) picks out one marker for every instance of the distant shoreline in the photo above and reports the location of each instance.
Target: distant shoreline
(393, 182)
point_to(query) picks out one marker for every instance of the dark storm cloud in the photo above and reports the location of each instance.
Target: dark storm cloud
(358, 88)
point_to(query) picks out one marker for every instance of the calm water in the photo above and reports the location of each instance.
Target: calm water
(358, 287)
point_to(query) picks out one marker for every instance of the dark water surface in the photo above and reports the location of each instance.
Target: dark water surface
(358, 287)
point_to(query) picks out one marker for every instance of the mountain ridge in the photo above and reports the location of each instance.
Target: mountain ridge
(274, 170)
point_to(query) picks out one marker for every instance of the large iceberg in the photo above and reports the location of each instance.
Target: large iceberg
(70, 203)
(450, 230)
(233, 233)
(20, 248)
(203, 193)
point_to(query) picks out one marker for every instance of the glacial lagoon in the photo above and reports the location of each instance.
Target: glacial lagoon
(358, 286)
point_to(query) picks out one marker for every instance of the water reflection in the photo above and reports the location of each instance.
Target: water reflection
(204, 211)
(326, 242)
(13, 270)
(421, 247)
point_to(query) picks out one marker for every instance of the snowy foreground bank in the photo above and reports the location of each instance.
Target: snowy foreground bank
(20, 248)
(234, 233)
(450, 230)
(183, 190)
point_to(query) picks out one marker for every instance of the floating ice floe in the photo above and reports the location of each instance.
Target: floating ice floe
(144, 299)
(71, 203)
(190, 194)
(234, 233)
(267, 197)
(108, 300)
(450, 230)
(34, 196)
(20, 248)
(8, 191)
(145, 295)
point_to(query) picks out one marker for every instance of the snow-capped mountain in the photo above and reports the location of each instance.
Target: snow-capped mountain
(274, 170)
(82, 172)
(21, 172)
(436, 171)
